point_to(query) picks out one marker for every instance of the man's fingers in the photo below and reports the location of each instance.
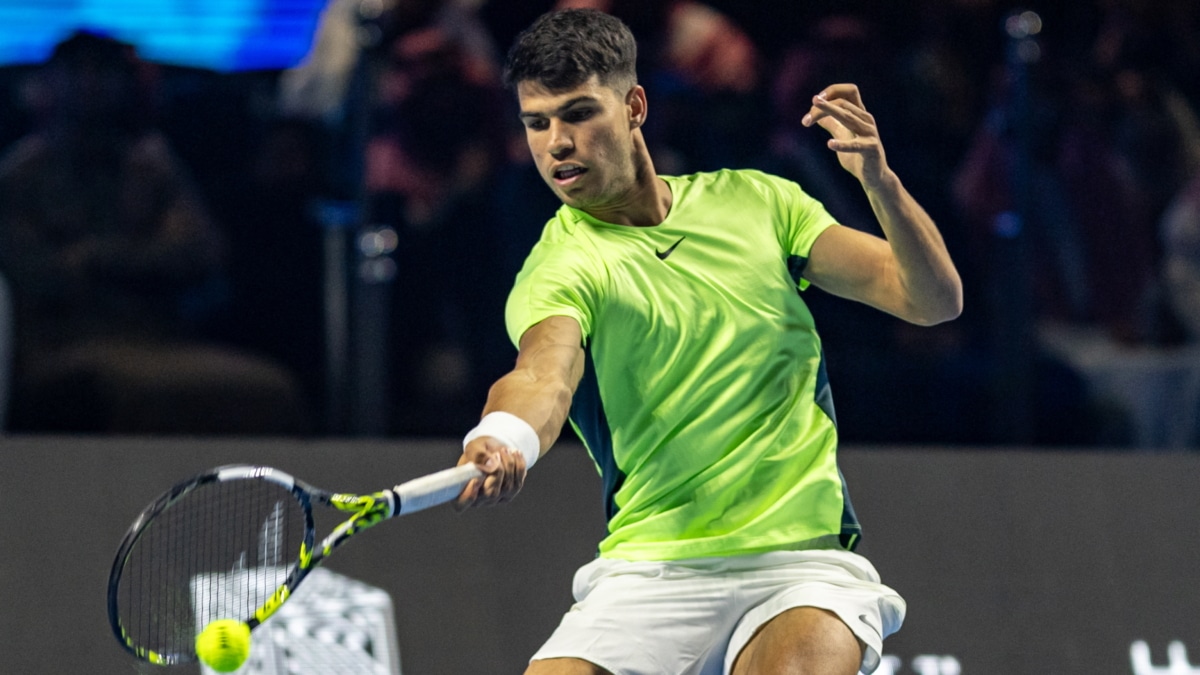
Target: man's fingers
(496, 482)
(853, 119)
(853, 145)
(466, 499)
(837, 93)
(504, 470)
(849, 114)
(514, 476)
(486, 461)
(846, 90)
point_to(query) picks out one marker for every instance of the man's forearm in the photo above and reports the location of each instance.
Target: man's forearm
(539, 390)
(925, 269)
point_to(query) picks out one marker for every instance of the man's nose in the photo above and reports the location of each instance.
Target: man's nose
(561, 144)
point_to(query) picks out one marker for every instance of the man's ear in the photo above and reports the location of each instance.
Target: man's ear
(635, 102)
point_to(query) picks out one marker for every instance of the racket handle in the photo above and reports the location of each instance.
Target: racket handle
(436, 488)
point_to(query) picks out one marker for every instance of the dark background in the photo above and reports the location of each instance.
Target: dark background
(1085, 143)
(1025, 474)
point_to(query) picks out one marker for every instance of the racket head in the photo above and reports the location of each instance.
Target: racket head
(220, 545)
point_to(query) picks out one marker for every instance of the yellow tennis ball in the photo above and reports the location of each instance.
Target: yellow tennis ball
(224, 645)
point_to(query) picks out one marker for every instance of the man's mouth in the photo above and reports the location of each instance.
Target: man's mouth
(567, 174)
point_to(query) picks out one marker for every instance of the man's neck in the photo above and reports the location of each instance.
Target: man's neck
(647, 204)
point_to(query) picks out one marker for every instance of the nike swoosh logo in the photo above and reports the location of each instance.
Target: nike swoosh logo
(662, 255)
(870, 621)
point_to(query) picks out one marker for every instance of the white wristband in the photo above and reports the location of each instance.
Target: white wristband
(510, 430)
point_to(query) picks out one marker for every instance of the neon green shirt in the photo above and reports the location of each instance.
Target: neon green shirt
(704, 402)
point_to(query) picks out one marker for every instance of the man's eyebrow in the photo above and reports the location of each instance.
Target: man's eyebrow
(561, 109)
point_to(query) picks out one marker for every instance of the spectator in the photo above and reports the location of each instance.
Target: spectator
(6, 314)
(275, 263)
(435, 144)
(1181, 265)
(109, 250)
(711, 108)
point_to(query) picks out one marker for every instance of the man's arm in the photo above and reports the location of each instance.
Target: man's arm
(538, 390)
(910, 274)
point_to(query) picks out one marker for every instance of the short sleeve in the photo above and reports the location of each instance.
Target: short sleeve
(800, 219)
(556, 280)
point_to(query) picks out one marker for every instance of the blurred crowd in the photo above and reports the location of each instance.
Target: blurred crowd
(160, 225)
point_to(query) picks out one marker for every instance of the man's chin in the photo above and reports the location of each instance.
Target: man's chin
(569, 200)
(574, 196)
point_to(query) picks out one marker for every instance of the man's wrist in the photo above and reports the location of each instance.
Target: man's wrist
(510, 430)
(886, 184)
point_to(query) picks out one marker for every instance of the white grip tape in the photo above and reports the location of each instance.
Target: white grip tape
(421, 493)
(510, 430)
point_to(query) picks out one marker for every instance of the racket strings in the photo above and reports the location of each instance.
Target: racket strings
(220, 551)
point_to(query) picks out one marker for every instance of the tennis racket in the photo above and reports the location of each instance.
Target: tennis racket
(234, 543)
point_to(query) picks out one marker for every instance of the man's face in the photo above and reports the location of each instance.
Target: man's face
(582, 141)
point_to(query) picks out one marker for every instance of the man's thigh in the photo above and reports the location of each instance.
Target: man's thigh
(799, 641)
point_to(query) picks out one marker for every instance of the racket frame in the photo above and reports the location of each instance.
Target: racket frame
(366, 510)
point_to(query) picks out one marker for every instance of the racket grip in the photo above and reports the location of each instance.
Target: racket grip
(421, 493)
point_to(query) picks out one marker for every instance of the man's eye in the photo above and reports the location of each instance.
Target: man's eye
(578, 115)
(537, 125)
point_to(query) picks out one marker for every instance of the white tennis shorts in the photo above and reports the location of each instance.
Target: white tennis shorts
(693, 617)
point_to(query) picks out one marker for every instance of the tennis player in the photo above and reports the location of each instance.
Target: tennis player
(663, 316)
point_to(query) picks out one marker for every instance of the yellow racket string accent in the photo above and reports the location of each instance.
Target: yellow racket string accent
(305, 556)
(368, 509)
(272, 604)
(147, 654)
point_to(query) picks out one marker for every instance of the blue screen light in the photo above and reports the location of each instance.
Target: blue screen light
(222, 35)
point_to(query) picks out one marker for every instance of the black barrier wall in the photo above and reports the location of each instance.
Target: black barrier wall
(1035, 563)
(1012, 562)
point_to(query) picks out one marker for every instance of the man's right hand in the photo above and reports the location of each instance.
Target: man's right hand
(504, 470)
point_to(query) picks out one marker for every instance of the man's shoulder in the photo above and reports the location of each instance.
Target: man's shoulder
(725, 179)
(562, 227)
(563, 239)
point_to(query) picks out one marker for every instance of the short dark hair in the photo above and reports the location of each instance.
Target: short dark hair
(562, 49)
